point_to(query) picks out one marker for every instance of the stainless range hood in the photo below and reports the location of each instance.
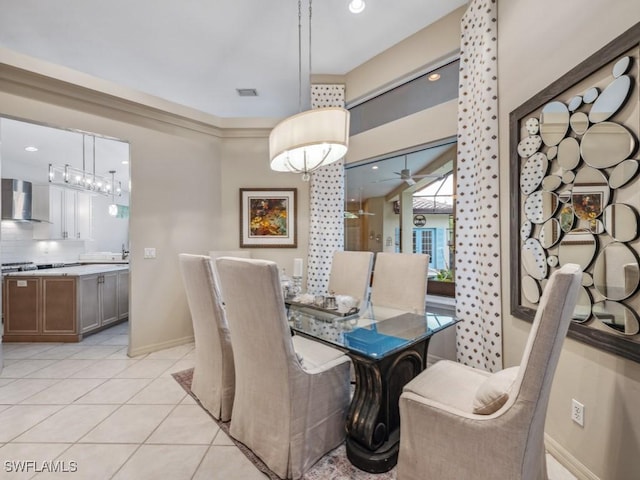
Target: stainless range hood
(16, 200)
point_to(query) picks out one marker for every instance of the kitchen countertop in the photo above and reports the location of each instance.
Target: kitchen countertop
(70, 271)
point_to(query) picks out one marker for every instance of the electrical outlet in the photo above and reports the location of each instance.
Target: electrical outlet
(577, 412)
(149, 252)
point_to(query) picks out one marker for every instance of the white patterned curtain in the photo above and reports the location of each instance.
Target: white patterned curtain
(326, 203)
(478, 287)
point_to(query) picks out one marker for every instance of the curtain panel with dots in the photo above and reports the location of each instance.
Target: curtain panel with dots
(478, 287)
(326, 203)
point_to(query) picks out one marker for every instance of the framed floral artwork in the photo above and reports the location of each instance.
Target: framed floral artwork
(268, 218)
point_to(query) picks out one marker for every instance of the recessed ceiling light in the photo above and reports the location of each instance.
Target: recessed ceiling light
(247, 92)
(375, 167)
(31, 148)
(433, 77)
(356, 6)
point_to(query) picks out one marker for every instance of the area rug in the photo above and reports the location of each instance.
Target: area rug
(333, 466)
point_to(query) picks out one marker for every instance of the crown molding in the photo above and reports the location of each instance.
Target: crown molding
(134, 107)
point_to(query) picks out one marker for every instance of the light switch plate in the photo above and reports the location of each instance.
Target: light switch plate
(149, 252)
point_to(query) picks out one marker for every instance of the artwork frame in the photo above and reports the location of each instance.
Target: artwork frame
(268, 217)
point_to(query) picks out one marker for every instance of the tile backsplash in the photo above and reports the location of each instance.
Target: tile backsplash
(18, 245)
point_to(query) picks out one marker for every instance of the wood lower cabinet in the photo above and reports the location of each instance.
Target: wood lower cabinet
(40, 309)
(62, 308)
(59, 305)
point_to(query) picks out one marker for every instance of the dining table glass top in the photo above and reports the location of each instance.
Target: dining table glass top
(374, 332)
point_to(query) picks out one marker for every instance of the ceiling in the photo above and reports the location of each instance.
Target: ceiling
(58, 147)
(380, 177)
(197, 52)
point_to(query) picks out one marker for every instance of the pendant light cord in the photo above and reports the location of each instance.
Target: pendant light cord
(300, 51)
(310, 1)
(299, 55)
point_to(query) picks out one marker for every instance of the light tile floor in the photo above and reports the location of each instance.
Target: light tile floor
(90, 407)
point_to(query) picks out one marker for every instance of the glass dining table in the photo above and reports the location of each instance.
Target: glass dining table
(388, 348)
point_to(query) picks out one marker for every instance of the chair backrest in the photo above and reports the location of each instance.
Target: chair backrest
(203, 292)
(541, 354)
(214, 373)
(400, 281)
(262, 345)
(351, 274)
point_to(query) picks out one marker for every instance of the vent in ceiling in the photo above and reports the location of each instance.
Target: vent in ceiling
(247, 92)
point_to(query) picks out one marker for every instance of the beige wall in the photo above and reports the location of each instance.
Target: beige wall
(245, 164)
(537, 43)
(423, 50)
(175, 201)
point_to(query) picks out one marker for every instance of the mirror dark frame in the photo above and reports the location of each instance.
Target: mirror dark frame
(609, 342)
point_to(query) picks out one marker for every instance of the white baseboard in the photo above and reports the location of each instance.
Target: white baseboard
(159, 346)
(567, 460)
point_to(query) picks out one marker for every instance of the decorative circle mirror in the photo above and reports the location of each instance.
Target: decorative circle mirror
(554, 122)
(616, 273)
(534, 259)
(533, 171)
(610, 100)
(575, 103)
(590, 193)
(551, 183)
(531, 289)
(579, 123)
(569, 153)
(590, 95)
(616, 316)
(621, 66)
(525, 230)
(587, 279)
(540, 206)
(577, 246)
(623, 173)
(621, 222)
(550, 233)
(529, 145)
(532, 125)
(606, 144)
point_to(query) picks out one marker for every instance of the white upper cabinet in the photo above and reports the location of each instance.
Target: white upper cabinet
(67, 211)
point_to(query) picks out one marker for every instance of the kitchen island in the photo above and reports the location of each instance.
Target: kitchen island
(64, 304)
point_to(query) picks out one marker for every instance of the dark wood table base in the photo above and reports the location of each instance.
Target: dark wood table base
(373, 423)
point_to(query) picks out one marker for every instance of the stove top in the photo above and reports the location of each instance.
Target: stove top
(18, 267)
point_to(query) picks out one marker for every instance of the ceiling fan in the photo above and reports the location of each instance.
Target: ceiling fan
(406, 176)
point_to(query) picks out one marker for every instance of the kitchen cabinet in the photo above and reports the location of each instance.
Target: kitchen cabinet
(63, 304)
(40, 307)
(98, 300)
(123, 294)
(67, 211)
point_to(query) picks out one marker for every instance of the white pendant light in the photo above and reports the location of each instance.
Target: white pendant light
(356, 6)
(113, 208)
(313, 138)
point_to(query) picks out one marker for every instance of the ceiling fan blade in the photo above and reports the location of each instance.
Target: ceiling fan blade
(426, 176)
(350, 215)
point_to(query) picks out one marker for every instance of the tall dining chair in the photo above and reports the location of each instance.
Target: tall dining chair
(400, 281)
(461, 422)
(213, 375)
(292, 394)
(351, 274)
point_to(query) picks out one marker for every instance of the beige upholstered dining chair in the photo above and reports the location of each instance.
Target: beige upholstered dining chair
(351, 274)
(213, 375)
(292, 393)
(460, 422)
(400, 281)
